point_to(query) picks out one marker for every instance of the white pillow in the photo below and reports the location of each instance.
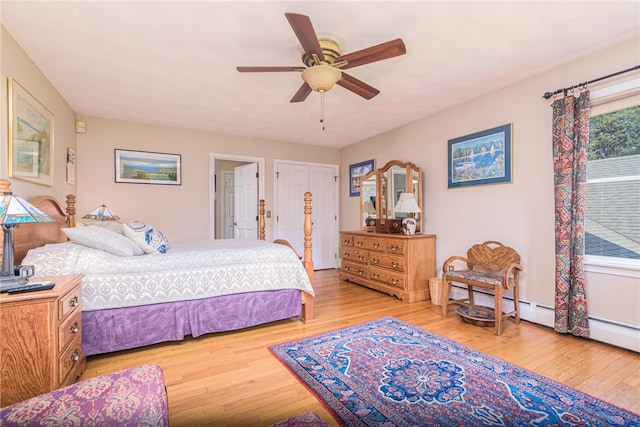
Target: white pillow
(103, 239)
(148, 238)
(109, 225)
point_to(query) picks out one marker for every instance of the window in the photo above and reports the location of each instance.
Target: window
(612, 208)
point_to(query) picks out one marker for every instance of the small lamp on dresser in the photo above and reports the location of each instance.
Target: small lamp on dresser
(13, 211)
(407, 204)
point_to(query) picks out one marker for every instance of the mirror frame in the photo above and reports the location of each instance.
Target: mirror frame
(411, 172)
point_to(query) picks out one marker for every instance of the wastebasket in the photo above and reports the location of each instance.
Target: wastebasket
(435, 289)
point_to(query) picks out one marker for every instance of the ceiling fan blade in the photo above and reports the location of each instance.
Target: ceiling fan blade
(301, 25)
(302, 93)
(357, 86)
(267, 69)
(374, 53)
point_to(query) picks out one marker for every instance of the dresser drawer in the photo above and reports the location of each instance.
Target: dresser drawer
(355, 255)
(347, 240)
(69, 359)
(395, 263)
(69, 302)
(369, 243)
(387, 277)
(69, 329)
(395, 246)
(355, 269)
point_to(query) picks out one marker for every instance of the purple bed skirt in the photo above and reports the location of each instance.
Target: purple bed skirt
(104, 331)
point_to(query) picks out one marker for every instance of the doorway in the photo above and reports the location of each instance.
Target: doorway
(223, 192)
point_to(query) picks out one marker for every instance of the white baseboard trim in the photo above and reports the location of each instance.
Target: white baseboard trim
(610, 332)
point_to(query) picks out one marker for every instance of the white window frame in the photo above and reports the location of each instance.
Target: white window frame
(623, 93)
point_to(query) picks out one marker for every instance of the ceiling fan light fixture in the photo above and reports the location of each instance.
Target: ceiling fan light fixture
(321, 77)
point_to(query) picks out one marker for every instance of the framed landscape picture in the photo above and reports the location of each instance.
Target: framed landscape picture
(30, 137)
(480, 158)
(142, 167)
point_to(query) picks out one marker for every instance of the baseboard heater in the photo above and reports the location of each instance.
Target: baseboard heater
(603, 330)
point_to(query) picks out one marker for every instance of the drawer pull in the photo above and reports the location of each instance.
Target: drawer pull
(361, 258)
(394, 264)
(360, 272)
(347, 254)
(75, 356)
(74, 328)
(376, 245)
(375, 261)
(346, 241)
(394, 248)
(376, 276)
(73, 302)
(359, 243)
(394, 281)
(346, 268)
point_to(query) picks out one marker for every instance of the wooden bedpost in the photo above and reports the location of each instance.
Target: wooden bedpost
(71, 210)
(307, 258)
(261, 223)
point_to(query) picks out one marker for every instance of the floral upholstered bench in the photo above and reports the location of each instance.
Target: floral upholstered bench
(132, 397)
(489, 265)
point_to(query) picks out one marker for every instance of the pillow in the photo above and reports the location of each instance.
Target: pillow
(109, 225)
(103, 239)
(148, 238)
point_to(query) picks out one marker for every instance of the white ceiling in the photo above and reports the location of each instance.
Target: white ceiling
(173, 63)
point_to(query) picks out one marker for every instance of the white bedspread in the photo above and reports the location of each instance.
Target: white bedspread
(187, 271)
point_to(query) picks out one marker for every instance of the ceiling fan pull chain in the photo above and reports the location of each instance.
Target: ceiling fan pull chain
(322, 109)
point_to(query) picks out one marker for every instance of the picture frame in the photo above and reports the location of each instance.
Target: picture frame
(356, 171)
(30, 131)
(481, 158)
(145, 167)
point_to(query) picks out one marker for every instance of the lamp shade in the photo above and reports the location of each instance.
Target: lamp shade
(15, 210)
(367, 207)
(321, 77)
(407, 204)
(102, 213)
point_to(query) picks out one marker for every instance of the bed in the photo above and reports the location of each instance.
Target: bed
(194, 288)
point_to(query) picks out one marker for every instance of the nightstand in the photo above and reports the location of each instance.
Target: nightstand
(41, 339)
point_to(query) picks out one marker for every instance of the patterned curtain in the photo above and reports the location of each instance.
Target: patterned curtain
(570, 151)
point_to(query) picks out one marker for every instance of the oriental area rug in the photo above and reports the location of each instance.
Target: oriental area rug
(390, 373)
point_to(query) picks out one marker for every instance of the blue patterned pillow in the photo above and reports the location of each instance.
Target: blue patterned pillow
(151, 240)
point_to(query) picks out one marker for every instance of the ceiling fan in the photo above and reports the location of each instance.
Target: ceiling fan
(323, 61)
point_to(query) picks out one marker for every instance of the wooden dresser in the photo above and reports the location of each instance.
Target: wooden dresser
(40, 340)
(392, 263)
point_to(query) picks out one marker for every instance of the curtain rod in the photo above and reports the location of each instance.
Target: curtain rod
(548, 95)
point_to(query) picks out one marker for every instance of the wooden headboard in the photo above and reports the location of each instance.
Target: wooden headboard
(32, 235)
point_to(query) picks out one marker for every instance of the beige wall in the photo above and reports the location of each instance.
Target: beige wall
(16, 64)
(519, 214)
(181, 212)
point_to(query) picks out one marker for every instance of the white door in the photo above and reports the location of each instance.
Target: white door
(229, 205)
(246, 201)
(293, 180)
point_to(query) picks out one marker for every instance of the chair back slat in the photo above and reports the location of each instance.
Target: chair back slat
(492, 256)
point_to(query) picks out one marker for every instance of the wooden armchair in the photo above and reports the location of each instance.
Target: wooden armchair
(489, 265)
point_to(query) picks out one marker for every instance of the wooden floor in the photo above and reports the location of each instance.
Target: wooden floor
(231, 379)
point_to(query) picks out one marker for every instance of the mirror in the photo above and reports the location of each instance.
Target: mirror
(381, 189)
(368, 198)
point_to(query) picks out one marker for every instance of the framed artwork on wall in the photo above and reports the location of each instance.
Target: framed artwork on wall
(481, 158)
(356, 171)
(143, 167)
(30, 137)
